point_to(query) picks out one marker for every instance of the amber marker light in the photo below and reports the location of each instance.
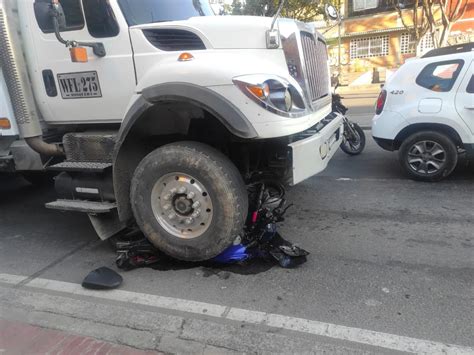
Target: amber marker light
(185, 57)
(261, 91)
(78, 55)
(5, 123)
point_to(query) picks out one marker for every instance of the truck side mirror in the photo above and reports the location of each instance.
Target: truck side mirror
(57, 16)
(77, 51)
(44, 16)
(331, 12)
(61, 17)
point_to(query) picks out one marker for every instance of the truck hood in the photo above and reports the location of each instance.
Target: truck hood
(223, 32)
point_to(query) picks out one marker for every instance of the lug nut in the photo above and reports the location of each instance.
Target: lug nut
(173, 190)
(172, 216)
(196, 213)
(167, 197)
(191, 195)
(166, 207)
(182, 190)
(196, 204)
(189, 221)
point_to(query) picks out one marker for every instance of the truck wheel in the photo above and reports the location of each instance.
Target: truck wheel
(428, 156)
(189, 200)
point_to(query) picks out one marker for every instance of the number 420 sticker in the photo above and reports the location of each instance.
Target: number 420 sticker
(397, 92)
(83, 85)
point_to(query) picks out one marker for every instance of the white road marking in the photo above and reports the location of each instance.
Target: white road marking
(11, 279)
(334, 331)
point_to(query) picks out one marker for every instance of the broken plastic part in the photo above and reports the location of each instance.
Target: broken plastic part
(102, 279)
(233, 254)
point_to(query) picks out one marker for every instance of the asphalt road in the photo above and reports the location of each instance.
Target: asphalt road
(390, 258)
(361, 107)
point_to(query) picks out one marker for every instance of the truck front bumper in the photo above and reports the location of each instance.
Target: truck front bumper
(313, 149)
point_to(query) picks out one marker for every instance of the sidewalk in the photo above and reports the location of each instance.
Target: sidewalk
(151, 322)
(23, 339)
(370, 89)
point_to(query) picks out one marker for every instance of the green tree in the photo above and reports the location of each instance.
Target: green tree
(237, 8)
(303, 10)
(260, 7)
(226, 9)
(435, 17)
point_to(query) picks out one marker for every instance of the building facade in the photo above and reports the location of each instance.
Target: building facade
(375, 42)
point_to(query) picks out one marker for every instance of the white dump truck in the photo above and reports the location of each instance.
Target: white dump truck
(156, 113)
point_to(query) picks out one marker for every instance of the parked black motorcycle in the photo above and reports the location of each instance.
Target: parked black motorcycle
(354, 137)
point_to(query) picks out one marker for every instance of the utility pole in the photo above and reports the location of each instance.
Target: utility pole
(339, 42)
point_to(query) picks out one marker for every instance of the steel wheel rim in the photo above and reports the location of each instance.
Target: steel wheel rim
(182, 206)
(426, 157)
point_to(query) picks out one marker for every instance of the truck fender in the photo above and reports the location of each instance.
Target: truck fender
(128, 150)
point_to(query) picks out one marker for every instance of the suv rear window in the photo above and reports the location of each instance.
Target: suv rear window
(440, 76)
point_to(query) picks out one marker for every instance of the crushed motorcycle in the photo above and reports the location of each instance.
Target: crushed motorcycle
(259, 239)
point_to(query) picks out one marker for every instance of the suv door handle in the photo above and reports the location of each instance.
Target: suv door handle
(469, 107)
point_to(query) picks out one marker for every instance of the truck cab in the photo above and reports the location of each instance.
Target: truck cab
(157, 113)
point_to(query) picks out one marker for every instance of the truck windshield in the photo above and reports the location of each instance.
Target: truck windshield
(138, 12)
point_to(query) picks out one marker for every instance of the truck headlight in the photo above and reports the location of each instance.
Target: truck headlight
(275, 94)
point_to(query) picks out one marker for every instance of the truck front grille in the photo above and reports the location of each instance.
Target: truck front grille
(315, 59)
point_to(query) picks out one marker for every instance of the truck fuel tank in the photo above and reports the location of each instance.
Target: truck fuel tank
(79, 186)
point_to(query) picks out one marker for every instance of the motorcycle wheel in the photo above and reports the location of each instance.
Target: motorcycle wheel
(354, 147)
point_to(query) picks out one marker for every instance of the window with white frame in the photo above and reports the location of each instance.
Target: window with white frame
(361, 5)
(369, 47)
(426, 44)
(407, 43)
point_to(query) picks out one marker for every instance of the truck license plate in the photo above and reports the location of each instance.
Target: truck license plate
(82, 85)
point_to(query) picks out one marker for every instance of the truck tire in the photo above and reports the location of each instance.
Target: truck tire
(428, 156)
(189, 200)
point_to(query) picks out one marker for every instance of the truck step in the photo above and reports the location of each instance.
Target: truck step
(90, 146)
(82, 206)
(78, 166)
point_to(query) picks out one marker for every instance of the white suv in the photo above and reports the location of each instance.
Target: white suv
(426, 112)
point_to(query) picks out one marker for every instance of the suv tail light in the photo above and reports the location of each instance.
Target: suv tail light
(381, 102)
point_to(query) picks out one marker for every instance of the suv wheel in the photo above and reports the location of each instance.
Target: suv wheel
(189, 200)
(428, 156)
